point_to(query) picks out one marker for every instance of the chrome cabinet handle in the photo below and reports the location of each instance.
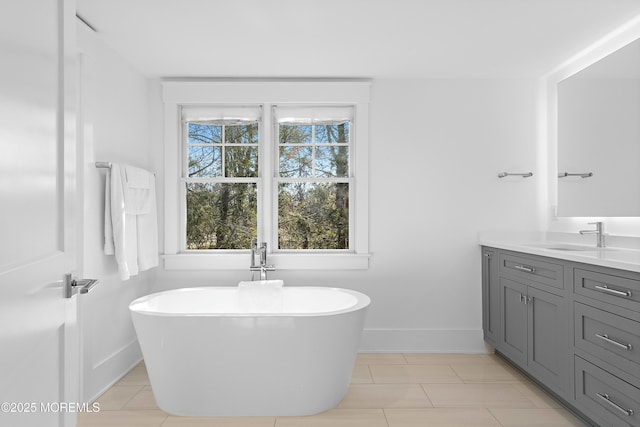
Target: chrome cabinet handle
(606, 398)
(524, 268)
(606, 338)
(605, 288)
(526, 299)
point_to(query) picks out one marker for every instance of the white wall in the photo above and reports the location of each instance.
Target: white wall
(436, 149)
(115, 117)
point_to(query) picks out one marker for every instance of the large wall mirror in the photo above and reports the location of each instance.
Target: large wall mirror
(598, 131)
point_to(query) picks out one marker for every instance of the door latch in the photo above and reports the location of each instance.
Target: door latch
(83, 285)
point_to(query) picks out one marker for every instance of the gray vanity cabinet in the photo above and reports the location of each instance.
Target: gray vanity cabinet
(513, 321)
(490, 296)
(574, 327)
(534, 321)
(534, 332)
(548, 343)
(606, 308)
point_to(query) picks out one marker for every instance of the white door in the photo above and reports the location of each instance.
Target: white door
(38, 339)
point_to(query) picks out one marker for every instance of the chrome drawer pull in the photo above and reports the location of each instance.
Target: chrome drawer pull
(605, 288)
(607, 399)
(524, 268)
(614, 342)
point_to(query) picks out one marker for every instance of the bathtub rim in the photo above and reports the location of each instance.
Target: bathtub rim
(362, 302)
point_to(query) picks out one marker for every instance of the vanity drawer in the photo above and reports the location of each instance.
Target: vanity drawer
(535, 269)
(605, 398)
(612, 338)
(617, 290)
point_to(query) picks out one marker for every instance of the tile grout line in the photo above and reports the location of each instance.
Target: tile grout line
(373, 381)
(166, 417)
(124, 406)
(427, 395)
(384, 412)
(494, 416)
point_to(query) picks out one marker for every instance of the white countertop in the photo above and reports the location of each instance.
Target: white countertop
(553, 245)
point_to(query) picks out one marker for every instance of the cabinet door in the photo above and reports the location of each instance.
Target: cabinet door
(490, 297)
(513, 321)
(547, 348)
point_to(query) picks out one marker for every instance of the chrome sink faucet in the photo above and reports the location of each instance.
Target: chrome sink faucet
(599, 232)
(261, 254)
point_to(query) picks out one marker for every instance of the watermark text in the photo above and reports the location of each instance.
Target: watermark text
(48, 407)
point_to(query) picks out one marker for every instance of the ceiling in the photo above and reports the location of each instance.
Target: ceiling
(352, 38)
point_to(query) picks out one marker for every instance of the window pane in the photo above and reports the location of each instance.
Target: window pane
(313, 216)
(205, 134)
(332, 161)
(241, 134)
(332, 133)
(241, 161)
(296, 161)
(204, 161)
(291, 134)
(221, 216)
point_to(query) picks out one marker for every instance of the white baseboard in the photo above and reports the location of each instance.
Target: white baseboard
(422, 341)
(101, 376)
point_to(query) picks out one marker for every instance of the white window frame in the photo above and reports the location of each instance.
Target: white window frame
(349, 93)
(349, 179)
(216, 111)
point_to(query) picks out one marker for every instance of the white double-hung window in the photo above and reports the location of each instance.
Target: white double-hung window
(280, 162)
(220, 153)
(313, 177)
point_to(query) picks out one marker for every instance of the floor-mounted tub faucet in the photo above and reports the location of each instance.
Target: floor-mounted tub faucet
(261, 254)
(599, 232)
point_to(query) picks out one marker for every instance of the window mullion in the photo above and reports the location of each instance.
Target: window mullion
(266, 170)
(313, 150)
(222, 151)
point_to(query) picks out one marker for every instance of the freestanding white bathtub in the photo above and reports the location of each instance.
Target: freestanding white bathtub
(223, 351)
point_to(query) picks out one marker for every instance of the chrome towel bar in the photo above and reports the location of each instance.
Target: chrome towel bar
(581, 175)
(524, 175)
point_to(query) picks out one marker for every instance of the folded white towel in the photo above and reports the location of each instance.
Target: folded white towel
(137, 190)
(131, 225)
(109, 247)
(137, 178)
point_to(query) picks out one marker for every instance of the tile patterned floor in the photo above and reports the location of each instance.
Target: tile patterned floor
(387, 390)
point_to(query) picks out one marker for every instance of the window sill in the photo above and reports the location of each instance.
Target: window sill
(241, 261)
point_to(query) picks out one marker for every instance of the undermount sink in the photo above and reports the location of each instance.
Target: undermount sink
(572, 248)
(566, 248)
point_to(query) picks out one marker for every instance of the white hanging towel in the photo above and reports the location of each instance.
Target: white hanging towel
(131, 219)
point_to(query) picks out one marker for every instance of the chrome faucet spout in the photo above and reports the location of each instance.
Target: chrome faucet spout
(254, 253)
(599, 232)
(261, 254)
